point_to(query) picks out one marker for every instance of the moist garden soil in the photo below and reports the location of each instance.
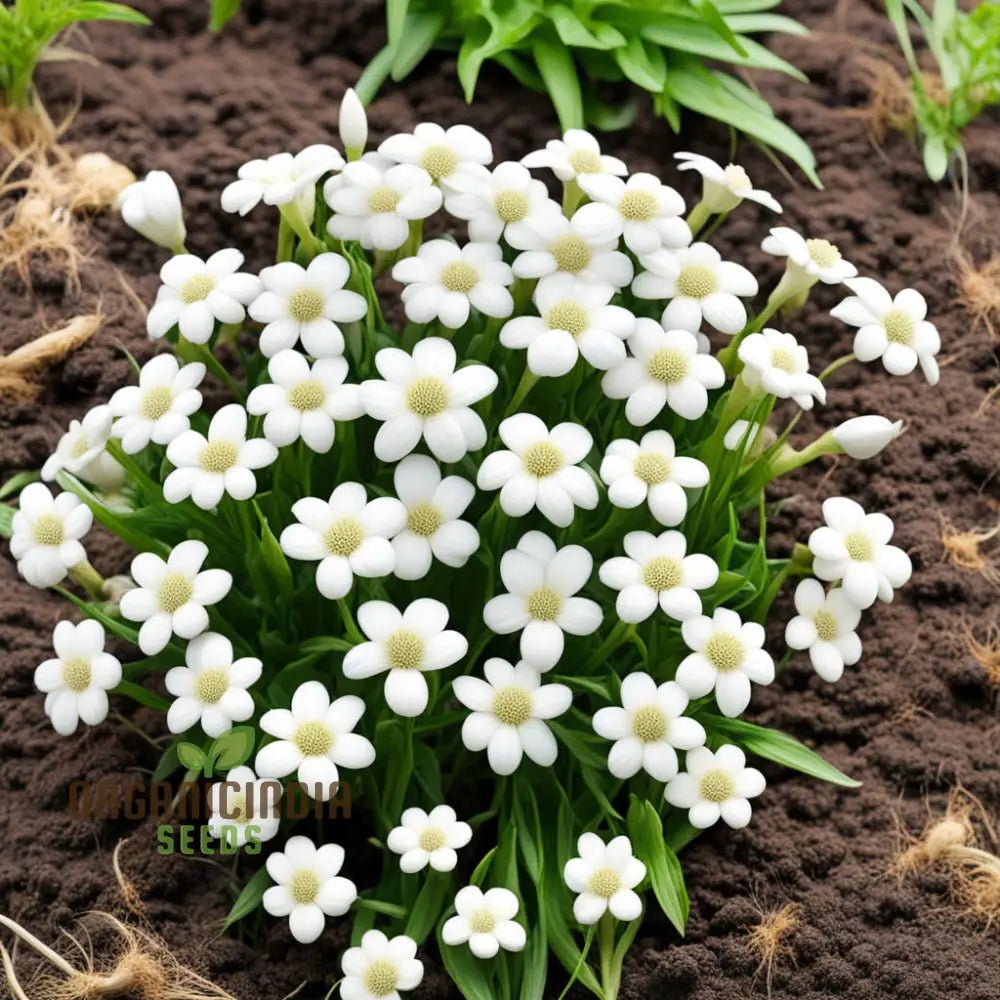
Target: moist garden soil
(913, 719)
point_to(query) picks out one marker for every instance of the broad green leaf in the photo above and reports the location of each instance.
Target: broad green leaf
(395, 18)
(663, 868)
(190, 756)
(712, 17)
(639, 68)
(436, 893)
(473, 977)
(558, 72)
(221, 13)
(420, 32)
(574, 33)
(234, 747)
(249, 899)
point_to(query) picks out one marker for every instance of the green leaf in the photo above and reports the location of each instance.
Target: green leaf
(472, 976)
(394, 748)
(249, 899)
(536, 961)
(558, 72)
(636, 64)
(140, 694)
(395, 18)
(273, 559)
(110, 624)
(574, 33)
(420, 32)
(190, 756)
(663, 868)
(428, 906)
(221, 13)
(17, 483)
(234, 747)
(168, 763)
(481, 870)
(97, 10)
(712, 17)
(6, 520)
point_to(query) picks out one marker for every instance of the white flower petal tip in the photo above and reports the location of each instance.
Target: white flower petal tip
(716, 786)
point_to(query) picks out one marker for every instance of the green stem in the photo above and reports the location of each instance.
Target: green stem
(527, 383)
(617, 637)
(350, 628)
(85, 576)
(572, 196)
(697, 217)
(610, 976)
(835, 366)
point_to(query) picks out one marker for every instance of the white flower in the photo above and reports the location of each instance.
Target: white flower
(645, 212)
(424, 839)
(281, 179)
(777, 363)
(195, 293)
(223, 462)
(854, 548)
(308, 887)
(152, 207)
(701, 286)
(486, 921)
(76, 681)
(352, 123)
(575, 317)
(433, 508)
(171, 595)
(648, 729)
(81, 451)
(716, 785)
(306, 304)
(445, 154)
(812, 260)
(423, 396)
(46, 533)
(405, 644)
(864, 437)
(727, 657)
(314, 738)
(825, 625)
(374, 202)
(541, 469)
(348, 535)
(242, 804)
(576, 154)
(158, 408)
(304, 400)
(650, 470)
(379, 968)
(212, 688)
(444, 281)
(507, 198)
(723, 188)
(893, 329)
(665, 369)
(508, 713)
(605, 877)
(656, 571)
(551, 243)
(541, 581)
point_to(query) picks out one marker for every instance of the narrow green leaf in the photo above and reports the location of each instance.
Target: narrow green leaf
(222, 12)
(140, 694)
(249, 899)
(575, 34)
(17, 483)
(472, 976)
(663, 868)
(436, 893)
(637, 66)
(420, 32)
(558, 72)
(6, 520)
(395, 18)
(712, 17)
(110, 624)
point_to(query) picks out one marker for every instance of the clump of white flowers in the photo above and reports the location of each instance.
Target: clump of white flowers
(486, 563)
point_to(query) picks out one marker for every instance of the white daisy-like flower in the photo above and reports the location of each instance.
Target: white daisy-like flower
(825, 625)
(77, 679)
(646, 212)
(445, 281)
(223, 462)
(423, 839)
(893, 329)
(853, 548)
(864, 437)
(304, 400)
(445, 154)
(575, 317)
(492, 202)
(305, 305)
(405, 644)
(433, 508)
(723, 188)
(171, 595)
(213, 688)
(604, 876)
(374, 202)
(776, 363)
(280, 179)
(81, 451)
(196, 293)
(309, 887)
(648, 729)
(348, 535)
(551, 243)
(656, 571)
(380, 967)
(575, 155)
(810, 260)
(243, 807)
(701, 286)
(485, 920)
(159, 407)
(508, 715)
(45, 534)
(423, 396)
(716, 785)
(540, 469)
(650, 470)
(542, 582)
(314, 738)
(152, 207)
(664, 369)
(726, 657)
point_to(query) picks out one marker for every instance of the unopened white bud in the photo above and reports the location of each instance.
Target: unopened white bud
(353, 125)
(152, 207)
(865, 437)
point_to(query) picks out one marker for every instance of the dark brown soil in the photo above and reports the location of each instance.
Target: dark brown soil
(913, 719)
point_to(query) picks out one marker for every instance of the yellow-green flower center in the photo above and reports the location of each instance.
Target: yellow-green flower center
(404, 650)
(662, 573)
(156, 402)
(459, 276)
(826, 625)
(571, 254)
(80, 446)
(651, 468)
(482, 922)
(381, 978)
(511, 206)
(605, 882)
(313, 738)
(76, 673)
(725, 652)
(822, 253)
(859, 546)
(304, 886)
(696, 281)
(219, 456)
(512, 705)
(305, 305)
(899, 327)
(344, 536)
(637, 206)
(716, 786)
(197, 288)
(568, 316)
(544, 604)
(423, 519)
(737, 178)
(211, 685)
(174, 592)
(668, 365)
(583, 161)
(307, 395)
(383, 199)
(542, 459)
(649, 724)
(783, 360)
(236, 807)
(48, 530)
(439, 161)
(427, 396)
(432, 839)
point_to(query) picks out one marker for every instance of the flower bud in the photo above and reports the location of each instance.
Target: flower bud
(152, 207)
(865, 437)
(353, 125)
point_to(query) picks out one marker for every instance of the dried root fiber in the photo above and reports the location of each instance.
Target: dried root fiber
(768, 939)
(19, 369)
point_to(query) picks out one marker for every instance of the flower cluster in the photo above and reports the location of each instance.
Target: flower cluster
(494, 555)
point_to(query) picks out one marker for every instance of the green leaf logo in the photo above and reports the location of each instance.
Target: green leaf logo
(228, 751)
